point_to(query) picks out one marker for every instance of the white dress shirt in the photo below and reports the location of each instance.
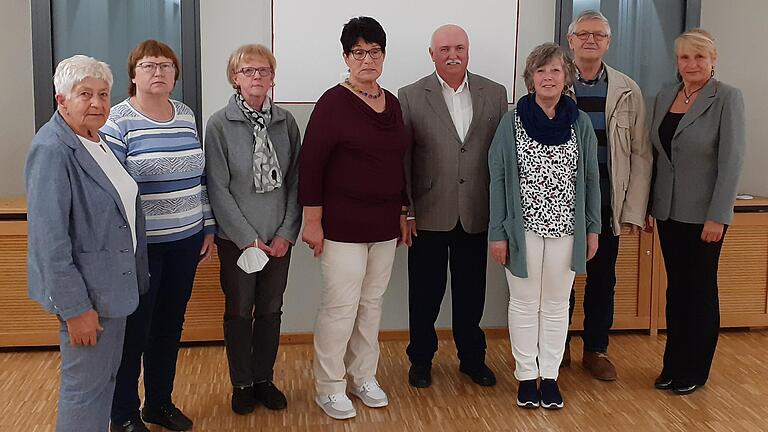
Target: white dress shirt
(122, 181)
(459, 103)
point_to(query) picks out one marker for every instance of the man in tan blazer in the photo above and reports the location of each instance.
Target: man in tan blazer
(616, 108)
(452, 116)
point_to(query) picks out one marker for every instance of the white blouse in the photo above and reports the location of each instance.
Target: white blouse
(121, 180)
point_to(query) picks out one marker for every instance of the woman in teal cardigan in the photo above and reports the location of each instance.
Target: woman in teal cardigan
(545, 217)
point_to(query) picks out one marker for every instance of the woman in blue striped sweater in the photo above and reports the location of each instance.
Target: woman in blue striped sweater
(156, 139)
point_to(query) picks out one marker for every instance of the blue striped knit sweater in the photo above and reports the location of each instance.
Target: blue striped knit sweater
(168, 163)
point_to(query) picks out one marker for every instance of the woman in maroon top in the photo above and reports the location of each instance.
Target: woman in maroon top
(351, 184)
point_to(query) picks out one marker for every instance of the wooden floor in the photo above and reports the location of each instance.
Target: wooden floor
(735, 398)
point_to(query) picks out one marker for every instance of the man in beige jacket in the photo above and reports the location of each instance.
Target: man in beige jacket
(615, 106)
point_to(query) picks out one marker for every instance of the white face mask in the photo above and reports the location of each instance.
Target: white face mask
(252, 260)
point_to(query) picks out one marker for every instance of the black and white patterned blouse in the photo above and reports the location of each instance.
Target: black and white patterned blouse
(547, 183)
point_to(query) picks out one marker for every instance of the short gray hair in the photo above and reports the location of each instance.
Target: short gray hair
(71, 71)
(543, 54)
(588, 15)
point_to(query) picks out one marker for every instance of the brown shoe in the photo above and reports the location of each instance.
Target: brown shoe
(599, 366)
(566, 361)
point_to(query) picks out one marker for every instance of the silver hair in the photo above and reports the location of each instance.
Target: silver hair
(587, 15)
(73, 70)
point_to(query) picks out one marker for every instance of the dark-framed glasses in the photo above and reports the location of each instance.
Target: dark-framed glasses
(359, 53)
(584, 35)
(251, 72)
(150, 67)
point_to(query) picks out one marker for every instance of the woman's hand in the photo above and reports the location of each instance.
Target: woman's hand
(279, 246)
(83, 328)
(712, 232)
(592, 241)
(499, 250)
(313, 236)
(405, 232)
(207, 249)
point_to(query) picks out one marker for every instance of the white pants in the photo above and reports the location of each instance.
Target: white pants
(538, 307)
(355, 277)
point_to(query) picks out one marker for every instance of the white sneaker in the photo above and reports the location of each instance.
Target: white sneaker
(371, 394)
(336, 405)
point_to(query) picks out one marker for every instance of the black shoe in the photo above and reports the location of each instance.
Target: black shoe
(684, 389)
(168, 417)
(550, 394)
(481, 374)
(663, 383)
(420, 376)
(528, 394)
(269, 395)
(135, 425)
(243, 400)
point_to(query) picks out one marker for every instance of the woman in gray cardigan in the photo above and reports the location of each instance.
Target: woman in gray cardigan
(698, 135)
(545, 217)
(252, 151)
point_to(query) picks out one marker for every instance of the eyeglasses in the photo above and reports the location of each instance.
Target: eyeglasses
(599, 37)
(359, 53)
(250, 72)
(150, 67)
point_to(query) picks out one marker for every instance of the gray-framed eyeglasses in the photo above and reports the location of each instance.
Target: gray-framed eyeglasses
(584, 35)
(359, 53)
(150, 67)
(250, 72)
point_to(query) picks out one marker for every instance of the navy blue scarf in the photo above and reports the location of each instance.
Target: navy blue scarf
(541, 128)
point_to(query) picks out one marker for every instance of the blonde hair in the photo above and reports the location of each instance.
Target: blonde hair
(73, 70)
(245, 52)
(699, 40)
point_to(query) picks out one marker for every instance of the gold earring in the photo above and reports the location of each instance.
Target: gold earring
(712, 74)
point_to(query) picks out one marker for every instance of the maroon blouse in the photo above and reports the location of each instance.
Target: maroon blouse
(351, 164)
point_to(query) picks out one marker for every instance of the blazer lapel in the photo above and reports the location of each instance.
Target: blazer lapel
(665, 103)
(89, 165)
(477, 92)
(700, 105)
(437, 102)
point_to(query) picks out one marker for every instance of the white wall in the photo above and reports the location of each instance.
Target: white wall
(222, 31)
(738, 31)
(17, 121)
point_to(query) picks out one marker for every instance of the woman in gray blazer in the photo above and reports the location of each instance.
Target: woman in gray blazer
(87, 250)
(252, 151)
(698, 135)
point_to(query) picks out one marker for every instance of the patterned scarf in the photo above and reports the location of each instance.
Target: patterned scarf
(266, 168)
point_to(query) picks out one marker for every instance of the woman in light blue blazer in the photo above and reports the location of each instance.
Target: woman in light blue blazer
(87, 250)
(698, 135)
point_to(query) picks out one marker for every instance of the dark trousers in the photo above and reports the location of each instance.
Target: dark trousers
(599, 290)
(153, 331)
(693, 306)
(252, 314)
(429, 257)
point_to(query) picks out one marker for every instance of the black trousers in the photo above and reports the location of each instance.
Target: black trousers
(693, 305)
(429, 258)
(599, 290)
(253, 308)
(153, 330)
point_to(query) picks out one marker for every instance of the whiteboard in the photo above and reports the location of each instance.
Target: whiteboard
(305, 41)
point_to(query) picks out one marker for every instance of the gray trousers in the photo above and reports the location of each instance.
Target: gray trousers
(253, 305)
(88, 378)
